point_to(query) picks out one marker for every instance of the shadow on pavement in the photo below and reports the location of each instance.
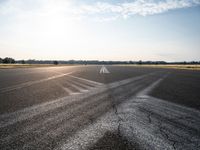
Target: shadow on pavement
(112, 141)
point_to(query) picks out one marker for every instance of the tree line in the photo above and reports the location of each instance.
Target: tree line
(9, 60)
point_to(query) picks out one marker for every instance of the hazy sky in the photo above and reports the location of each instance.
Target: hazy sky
(166, 30)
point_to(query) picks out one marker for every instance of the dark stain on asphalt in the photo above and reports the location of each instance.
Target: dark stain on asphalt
(112, 141)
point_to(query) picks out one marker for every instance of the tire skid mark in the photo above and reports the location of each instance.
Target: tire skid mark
(68, 128)
(89, 100)
(111, 121)
(11, 118)
(89, 135)
(57, 123)
(116, 93)
(52, 126)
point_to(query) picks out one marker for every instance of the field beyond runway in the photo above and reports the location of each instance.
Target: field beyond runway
(99, 107)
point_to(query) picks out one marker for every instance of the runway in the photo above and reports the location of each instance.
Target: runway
(99, 107)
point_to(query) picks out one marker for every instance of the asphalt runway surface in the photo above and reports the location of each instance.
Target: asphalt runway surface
(99, 108)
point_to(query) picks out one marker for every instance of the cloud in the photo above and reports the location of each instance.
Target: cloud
(137, 7)
(102, 11)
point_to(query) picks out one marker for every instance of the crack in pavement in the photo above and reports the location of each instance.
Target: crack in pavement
(149, 117)
(119, 119)
(164, 134)
(161, 128)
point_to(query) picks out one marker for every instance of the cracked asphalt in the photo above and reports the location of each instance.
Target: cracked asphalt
(78, 107)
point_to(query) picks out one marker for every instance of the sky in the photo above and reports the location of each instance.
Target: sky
(167, 30)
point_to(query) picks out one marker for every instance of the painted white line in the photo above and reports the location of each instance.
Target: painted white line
(70, 92)
(19, 86)
(80, 89)
(89, 81)
(67, 89)
(82, 85)
(103, 70)
(146, 91)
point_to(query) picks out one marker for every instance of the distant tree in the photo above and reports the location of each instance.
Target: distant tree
(156, 63)
(23, 62)
(139, 62)
(130, 62)
(1, 60)
(8, 60)
(55, 62)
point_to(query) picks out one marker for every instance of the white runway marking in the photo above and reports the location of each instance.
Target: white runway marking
(73, 87)
(103, 70)
(89, 81)
(145, 92)
(19, 86)
(84, 85)
(70, 92)
(80, 89)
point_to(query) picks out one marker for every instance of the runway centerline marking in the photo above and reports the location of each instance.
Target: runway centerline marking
(103, 70)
